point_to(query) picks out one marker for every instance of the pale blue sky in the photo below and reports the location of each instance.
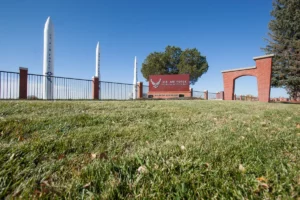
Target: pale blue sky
(229, 33)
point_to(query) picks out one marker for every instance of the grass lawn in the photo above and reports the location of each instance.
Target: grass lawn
(149, 149)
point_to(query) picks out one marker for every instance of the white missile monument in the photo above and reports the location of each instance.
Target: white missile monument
(97, 73)
(134, 90)
(98, 61)
(48, 61)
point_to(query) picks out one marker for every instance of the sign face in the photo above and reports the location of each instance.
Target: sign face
(178, 82)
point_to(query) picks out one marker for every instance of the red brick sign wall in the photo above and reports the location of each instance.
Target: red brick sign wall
(159, 83)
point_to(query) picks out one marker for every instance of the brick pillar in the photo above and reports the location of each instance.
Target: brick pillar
(140, 90)
(95, 88)
(229, 85)
(241, 97)
(264, 72)
(222, 95)
(206, 94)
(23, 83)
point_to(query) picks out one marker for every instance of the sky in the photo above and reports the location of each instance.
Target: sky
(229, 33)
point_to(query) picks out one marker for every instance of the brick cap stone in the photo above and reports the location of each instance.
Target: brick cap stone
(265, 56)
(95, 77)
(23, 68)
(238, 69)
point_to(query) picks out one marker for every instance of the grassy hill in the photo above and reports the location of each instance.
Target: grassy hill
(149, 149)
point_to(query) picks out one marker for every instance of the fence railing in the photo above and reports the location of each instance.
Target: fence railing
(145, 91)
(212, 96)
(206, 95)
(245, 98)
(9, 85)
(198, 94)
(115, 91)
(21, 85)
(63, 87)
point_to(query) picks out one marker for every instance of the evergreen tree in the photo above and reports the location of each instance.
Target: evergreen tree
(284, 42)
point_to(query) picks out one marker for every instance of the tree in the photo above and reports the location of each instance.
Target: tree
(175, 61)
(284, 42)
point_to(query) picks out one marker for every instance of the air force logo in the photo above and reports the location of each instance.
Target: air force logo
(155, 85)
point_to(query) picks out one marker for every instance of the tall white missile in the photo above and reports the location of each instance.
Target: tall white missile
(48, 67)
(97, 73)
(134, 90)
(98, 61)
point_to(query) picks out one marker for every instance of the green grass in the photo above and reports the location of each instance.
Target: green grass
(149, 150)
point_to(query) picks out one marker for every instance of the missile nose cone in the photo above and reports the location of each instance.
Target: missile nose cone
(98, 46)
(48, 23)
(48, 20)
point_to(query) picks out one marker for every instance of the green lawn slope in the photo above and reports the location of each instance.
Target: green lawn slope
(149, 150)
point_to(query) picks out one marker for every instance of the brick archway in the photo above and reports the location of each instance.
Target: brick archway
(262, 71)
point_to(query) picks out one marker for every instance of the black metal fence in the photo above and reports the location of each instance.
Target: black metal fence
(198, 94)
(9, 85)
(63, 88)
(115, 91)
(145, 91)
(246, 98)
(212, 96)
(201, 95)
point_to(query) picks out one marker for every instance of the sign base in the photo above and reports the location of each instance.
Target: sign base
(169, 94)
